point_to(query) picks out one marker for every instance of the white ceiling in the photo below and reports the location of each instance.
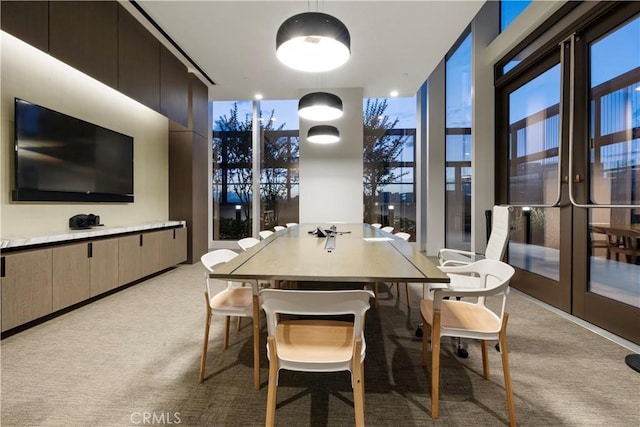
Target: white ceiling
(394, 44)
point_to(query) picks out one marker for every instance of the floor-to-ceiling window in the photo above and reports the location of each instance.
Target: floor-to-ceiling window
(279, 178)
(232, 158)
(509, 11)
(389, 162)
(233, 166)
(458, 146)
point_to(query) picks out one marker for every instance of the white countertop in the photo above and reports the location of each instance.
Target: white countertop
(63, 236)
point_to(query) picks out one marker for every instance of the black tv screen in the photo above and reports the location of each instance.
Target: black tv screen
(62, 158)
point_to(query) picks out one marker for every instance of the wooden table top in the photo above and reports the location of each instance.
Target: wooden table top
(362, 254)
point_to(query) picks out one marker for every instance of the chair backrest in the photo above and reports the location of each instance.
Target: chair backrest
(376, 225)
(211, 259)
(247, 242)
(278, 227)
(500, 230)
(265, 233)
(403, 235)
(388, 229)
(315, 303)
(219, 256)
(493, 276)
(292, 224)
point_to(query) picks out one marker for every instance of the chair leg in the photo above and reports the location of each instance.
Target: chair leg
(507, 372)
(406, 291)
(239, 323)
(435, 364)
(256, 342)
(426, 334)
(358, 385)
(485, 359)
(203, 358)
(225, 340)
(272, 388)
(375, 295)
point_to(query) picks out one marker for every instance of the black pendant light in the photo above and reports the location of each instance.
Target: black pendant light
(323, 134)
(320, 106)
(313, 41)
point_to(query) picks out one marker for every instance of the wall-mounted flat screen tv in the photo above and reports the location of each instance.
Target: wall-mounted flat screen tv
(62, 158)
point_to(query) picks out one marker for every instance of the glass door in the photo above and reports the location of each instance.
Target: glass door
(531, 145)
(570, 149)
(605, 166)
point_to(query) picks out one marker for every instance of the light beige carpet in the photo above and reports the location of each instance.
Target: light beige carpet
(132, 358)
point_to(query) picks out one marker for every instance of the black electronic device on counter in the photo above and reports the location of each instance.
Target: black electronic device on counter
(82, 221)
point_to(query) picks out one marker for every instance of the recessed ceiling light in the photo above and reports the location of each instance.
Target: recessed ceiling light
(394, 93)
(258, 96)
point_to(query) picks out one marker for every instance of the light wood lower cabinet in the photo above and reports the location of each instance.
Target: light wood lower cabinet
(26, 287)
(38, 282)
(103, 264)
(179, 246)
(71, 275)
(129, 259)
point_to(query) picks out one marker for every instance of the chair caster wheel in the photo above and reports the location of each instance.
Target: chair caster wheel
(498, 347)
(462, 353)
(419, 332)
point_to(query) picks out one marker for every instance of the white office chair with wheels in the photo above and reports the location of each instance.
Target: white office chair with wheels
(247, 242)
(496, 246)
(234, 300)
(265, 233)
(316, 344)
(388, 229)
(447, 315)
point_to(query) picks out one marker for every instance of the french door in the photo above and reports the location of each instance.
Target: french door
(569, 146)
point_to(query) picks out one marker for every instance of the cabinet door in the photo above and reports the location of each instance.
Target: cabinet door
(103, 266)
(156, 251)
(129, 259)
(179, 245)
(71, 277)
(26, 287)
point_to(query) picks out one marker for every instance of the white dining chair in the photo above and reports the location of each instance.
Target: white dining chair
(247, 242)
(265, 233)
(315, 344)
(447, 315)
(291, 224)
(388, 229)
(376, 225)
(235, 299)
(404, 236)
(279, 227)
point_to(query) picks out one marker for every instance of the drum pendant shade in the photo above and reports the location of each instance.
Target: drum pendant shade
(323, 134)
(320, 106)
(313, 42)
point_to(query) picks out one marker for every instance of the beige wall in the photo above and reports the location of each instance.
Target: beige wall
(331, 174)
(37, 77)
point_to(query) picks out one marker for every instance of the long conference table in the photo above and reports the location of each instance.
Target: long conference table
(360, 254)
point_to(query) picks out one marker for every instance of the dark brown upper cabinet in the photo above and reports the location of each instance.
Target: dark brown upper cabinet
(28, 21)
(139, 61)
(174, 88)
(199, 114)
(84, 34)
